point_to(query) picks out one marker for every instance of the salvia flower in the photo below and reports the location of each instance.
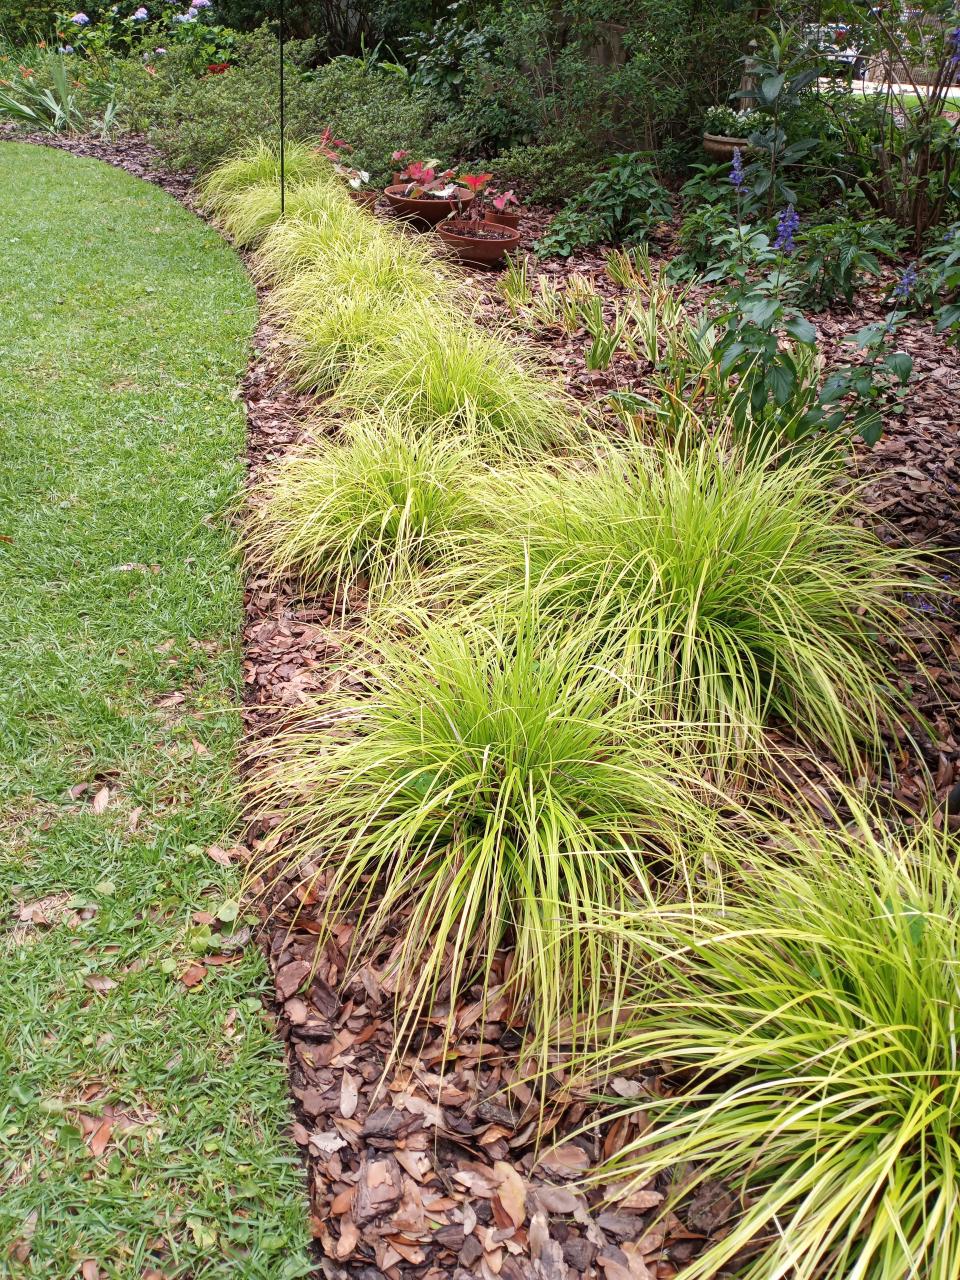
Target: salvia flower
(737, 179)
(906, 284)
(953, 45)
(788, 224)
(80, 20)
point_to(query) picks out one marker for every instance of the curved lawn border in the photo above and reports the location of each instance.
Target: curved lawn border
(142, 1092)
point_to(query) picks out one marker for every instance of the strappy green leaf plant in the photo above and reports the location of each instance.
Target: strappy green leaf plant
(437, 370)
(493, 791)
(738, 591)
(370, 510)
(808, 1036)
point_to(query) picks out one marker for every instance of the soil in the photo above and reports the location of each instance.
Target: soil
(477, 231)
(427, 1164)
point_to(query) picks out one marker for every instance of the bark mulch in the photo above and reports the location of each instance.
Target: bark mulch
(441, 1161)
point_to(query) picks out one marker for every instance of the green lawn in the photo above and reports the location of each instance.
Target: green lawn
(124, 329)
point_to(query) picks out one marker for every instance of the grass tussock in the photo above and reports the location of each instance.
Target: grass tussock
(437, 370)
(324, 232)
(372, 510)
(258, 165)
(492, 791)
(335, 313)
(738, 592)
(810, 1024)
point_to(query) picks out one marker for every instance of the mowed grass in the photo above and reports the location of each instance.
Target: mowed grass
(124, 329)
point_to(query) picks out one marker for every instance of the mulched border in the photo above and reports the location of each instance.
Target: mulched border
(465, 1173)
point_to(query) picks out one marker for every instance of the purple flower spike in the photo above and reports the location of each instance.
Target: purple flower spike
(80, 20)
(906, 284)
(788, 224)
(737, 180)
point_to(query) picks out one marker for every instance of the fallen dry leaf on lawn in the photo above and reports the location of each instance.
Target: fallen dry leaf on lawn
(89, 1269)
(219, 856)
(99, 1138)
(98, 982)
(193, 976)
(100, 802)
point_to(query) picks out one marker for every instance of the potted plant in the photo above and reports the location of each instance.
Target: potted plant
(473, 239)
(357, 188)
(356, 179)
(426, 196)
(725, 129)
(504, 209)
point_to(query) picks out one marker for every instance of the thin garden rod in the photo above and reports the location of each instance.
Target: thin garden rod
(282, 114)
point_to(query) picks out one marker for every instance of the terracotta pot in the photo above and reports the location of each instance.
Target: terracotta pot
(398, 179)
(425, 210)
(477, 250)
(367, 198)
(503, 217)
(721, 147)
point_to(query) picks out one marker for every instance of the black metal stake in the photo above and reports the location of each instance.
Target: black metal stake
(282, 114)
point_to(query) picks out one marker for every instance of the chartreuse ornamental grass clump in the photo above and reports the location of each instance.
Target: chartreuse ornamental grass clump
(258, 165)
(334, 313)
(736, 590)
(243, 195)
(374, 508)
(810, 1028)
(319, 227)
(492, 790)
(125, 326)
(437, 369)
(371, 310)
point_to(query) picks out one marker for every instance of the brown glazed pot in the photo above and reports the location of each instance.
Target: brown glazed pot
(503, 217)
(721, 147)
(425, 210)
(476, 250)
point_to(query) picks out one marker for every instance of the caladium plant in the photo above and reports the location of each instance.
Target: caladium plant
(502, 200)
(424, 183)
(476, 182)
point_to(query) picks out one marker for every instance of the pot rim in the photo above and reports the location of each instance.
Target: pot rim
(395, 190)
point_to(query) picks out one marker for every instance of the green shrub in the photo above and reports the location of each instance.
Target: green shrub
(375, 111)
(491, 790)
(734, 590)
(623, 205)
(551, 172)
(23, 20)
(200, 119)
(808, 1027)
(371, 509)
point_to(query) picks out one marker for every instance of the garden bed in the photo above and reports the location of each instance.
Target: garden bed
(428, 1173)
